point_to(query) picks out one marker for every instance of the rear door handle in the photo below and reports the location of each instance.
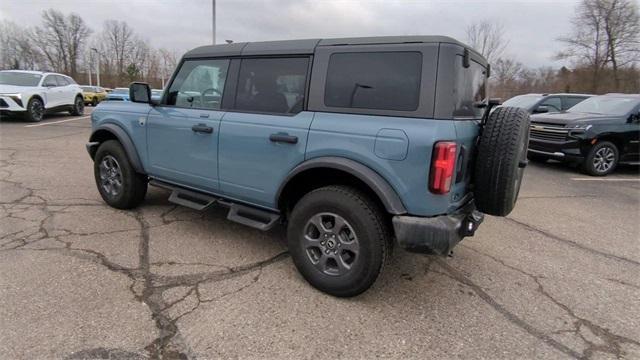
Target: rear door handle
(202, 128)
(285, 138)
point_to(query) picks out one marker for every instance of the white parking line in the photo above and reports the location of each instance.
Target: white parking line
(58, 122)
(603, 179)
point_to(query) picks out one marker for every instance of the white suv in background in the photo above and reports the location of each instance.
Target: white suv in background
(31, 94)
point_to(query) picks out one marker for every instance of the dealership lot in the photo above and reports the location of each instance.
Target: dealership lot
(558, 278)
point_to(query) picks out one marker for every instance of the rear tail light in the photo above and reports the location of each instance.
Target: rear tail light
(442, 167)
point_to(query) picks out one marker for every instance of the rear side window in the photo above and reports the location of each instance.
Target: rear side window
(374, 80)
(470, 91)
(272, 85)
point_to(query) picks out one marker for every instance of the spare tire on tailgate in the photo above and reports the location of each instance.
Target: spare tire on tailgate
(502, 156)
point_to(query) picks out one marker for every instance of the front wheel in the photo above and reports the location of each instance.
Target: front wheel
(35, 110)
(602, 159)
(78, 106)
(94, 102)
(339, 240)
(118, 183)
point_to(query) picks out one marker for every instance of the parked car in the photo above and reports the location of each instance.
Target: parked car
(349, 142)
(156, 94)
(543, 103)
(31, 94)
(118, 94)
(598, 133)
(93, 94)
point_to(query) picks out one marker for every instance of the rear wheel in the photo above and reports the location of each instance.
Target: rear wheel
(94, 102)
(338, 239)
(78, 106)
(602, 159)
(118, 183)
(35, 110)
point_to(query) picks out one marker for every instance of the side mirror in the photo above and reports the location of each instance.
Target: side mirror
(140, 92)
(541, 110)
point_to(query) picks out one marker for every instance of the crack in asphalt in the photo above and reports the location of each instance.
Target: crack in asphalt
(573, 243)
(169, 343)
(611, 342)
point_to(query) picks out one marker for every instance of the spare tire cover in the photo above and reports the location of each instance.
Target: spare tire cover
(502, 157)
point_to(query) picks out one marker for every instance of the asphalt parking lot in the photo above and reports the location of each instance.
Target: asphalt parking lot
(558, 278)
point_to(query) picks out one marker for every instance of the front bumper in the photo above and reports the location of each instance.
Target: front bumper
(11, 104)
(439, 234)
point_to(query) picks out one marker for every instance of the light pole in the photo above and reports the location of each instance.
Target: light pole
(213, 20)
(98, 67)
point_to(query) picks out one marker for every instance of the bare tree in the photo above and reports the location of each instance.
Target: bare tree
(16, 49)
(604, 31)
(118, 41)
(60, 39)
(487, 37)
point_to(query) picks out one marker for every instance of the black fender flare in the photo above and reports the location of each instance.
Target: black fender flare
(123, 138)
(377, 183)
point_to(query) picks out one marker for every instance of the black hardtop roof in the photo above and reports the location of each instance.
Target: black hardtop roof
(308, 46)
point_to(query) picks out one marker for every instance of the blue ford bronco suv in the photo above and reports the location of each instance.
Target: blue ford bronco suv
(353, 144)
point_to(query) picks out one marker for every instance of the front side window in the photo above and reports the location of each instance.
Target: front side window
(374, 80)
(273, 85)
(199, 84)
(470, 91)
(571, 101)
(50, 81)
(552, 103)
(61, 80)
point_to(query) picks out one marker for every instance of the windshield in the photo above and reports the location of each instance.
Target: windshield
(19, 78)
(87, 88)
(605, 105)
(522, 101)
(120, 91)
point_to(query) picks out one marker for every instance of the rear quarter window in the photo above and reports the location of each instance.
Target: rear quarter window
(470, 90)
(374, 80)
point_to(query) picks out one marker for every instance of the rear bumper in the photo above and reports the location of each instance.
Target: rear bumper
(439, 234)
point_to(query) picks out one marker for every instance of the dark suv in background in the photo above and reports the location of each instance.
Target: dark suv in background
(544, 103)
(598, 133)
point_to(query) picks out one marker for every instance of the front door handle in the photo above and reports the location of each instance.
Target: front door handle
(285, 138)
(202, 128)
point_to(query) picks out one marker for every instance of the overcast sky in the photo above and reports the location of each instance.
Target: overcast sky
(531, 26)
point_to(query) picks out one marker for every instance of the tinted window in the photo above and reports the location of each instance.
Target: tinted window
(199, 84)
(470, 90)
(274, 85)
(571, 101)
(374, 80)
(553, 103)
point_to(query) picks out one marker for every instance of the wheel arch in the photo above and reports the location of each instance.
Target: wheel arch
(336, 170)
(114, 132)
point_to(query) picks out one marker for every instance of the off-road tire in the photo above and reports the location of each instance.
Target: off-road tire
(32, 114)
(77, 109)
(502, 156)
(134, 185)
(537, 158)
(589, 165)
(369, 224)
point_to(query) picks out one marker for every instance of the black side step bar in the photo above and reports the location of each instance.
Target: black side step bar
(246, 215)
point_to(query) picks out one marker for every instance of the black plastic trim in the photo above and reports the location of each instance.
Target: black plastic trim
(377, 183)
(126, 142)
